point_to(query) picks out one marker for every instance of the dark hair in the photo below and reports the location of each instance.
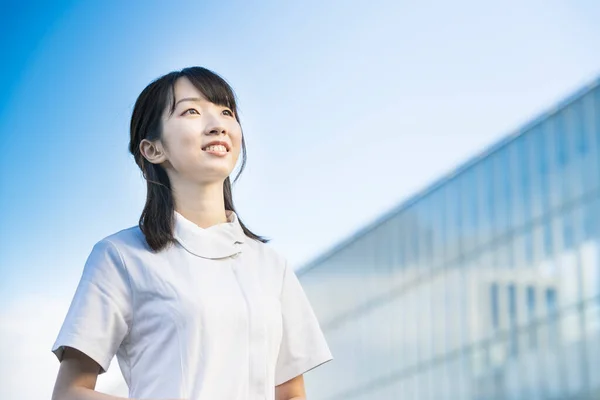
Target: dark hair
(158, 218)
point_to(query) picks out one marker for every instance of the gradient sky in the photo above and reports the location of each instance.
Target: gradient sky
(348, 108)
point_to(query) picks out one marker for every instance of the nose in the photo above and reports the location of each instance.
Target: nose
(215, 126)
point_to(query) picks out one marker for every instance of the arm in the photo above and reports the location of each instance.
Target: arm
(77, 378)
(291, 390)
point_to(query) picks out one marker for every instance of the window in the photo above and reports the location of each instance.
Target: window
(579, 121)
(552, 310)
(524, 173)
(491, 201)
(498, 206)
(560, 138)
(507, 165)
(528, 244)
(542, 154)
(494, 305)
(541, 169)
(531, 317)
(512, 314)
(596, 109)
(459, 230)
(551, 303)
(548, 238)
(468, 208)
(590, 219)
(567, 225)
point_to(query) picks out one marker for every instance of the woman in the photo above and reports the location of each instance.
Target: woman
(193, 304)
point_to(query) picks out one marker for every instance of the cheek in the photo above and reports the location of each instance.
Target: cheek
(186, 142)
(183, 148)
(235, 133)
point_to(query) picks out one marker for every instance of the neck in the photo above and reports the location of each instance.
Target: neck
(202, 205)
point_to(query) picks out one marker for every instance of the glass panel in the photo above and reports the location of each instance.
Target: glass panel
(512, 319)
(411, 329)
(568, 231)
(596, 127)
(568, 264)
(498, 203)
(548, 239)
(410, 387)
(414, 241)
(438, 294)
(488, 208)
(592, 325)
(469, 211)
(459, 216)
(437, 223)
(580, 124)
(396, 251)
(561, 144)
(399, 338)
(464, 304)
(442, 225)
(531, 317)
(524, 155)
(587, 143)
(494, 304)
(402, 257)
(551, 312)
(508, 158)
(589, 252)
(424, 310)
(478, 182)
(540, 182)
(578, 173)
(550, 355)
(538, 244)
(466, 383)
(528, 247)
(423, 231)
(453, 310)
(556, 159)
(591, 220)
(572, 352)
(452, 239)
(422, 385)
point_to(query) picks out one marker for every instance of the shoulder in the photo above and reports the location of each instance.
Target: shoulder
(270, 262)
(126, 240)
(267, 253)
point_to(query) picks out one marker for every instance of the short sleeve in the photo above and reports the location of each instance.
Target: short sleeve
(303, 345)
(99, 316)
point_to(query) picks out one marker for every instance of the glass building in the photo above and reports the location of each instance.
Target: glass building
(485, 286)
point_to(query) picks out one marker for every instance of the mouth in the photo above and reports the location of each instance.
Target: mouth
(220, 147)
(216, 150)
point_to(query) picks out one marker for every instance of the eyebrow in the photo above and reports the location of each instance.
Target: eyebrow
(195, 99)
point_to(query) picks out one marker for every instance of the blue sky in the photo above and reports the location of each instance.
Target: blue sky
(348, 109)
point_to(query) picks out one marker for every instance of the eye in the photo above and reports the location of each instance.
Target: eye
(228, 112)
(190, 109)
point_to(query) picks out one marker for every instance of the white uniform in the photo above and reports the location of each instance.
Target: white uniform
(218, 316)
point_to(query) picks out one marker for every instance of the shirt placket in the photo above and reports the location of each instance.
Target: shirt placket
(257, 335)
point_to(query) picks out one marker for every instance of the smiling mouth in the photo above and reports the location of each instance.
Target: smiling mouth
(216, 149)
(216, 152)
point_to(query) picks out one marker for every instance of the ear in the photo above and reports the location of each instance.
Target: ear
(153, 151)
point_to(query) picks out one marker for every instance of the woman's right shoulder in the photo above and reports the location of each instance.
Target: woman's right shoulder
(126, 240)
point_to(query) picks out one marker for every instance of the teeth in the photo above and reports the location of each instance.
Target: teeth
(216, 148)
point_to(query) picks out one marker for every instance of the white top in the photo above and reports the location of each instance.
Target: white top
(218, 316)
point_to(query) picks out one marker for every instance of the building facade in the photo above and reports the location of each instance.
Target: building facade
(485, 286)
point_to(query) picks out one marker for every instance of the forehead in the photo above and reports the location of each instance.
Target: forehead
(184, 88)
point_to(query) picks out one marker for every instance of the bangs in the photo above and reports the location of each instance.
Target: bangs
(212, 86)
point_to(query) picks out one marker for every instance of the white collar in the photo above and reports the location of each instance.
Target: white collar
(217, 241)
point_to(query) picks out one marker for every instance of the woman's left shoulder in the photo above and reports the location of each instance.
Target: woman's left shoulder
(267, 256)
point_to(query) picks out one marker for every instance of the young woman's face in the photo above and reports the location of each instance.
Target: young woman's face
(193, 125)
